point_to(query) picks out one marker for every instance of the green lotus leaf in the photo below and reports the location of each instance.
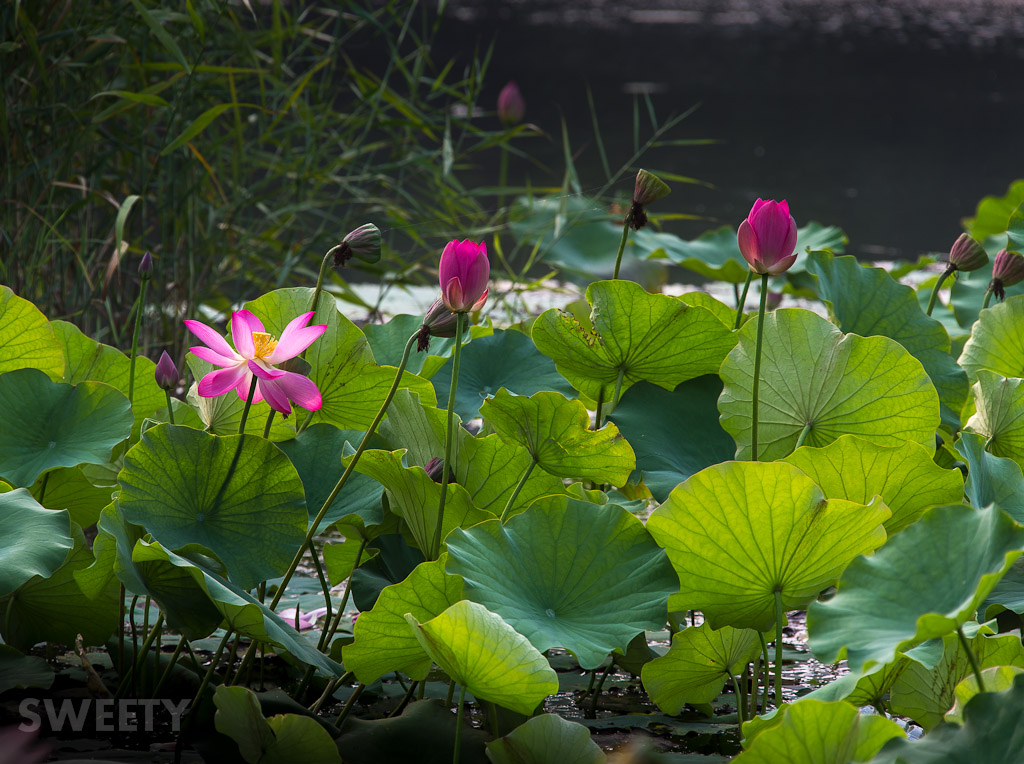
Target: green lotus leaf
(1015, 228)
(506, 359)
(51, 424)
(383, 642)
(1000, 414)
(482, 653)
(341, 558)
(989, 717)
(86, 360)
(814, 375)
(55, 609)
(925, 695)
(991, 215)
(905, 476)
(868, 302)
(33, 541)
(697, 665)
(387, 341)
(556, 432)
(991, 479)
(419, 428)
(725, 313)
(866, 688)
(997, 341)
(394, 563)
(643, 336)
(1009, 592)
(238, 496)
(243, 613)
(997, 679)
(674, 434)
(968, 292)
(579, 576)
(68, 488)
(26, 338)
(18, 671)
(546, 739)
(818, 732)
(739, 532)
(923, 584)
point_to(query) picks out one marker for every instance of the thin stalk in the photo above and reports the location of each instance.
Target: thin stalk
(803, 435)
(451, 692)
(405, 700)
(120, 632)
(618, 390)
(314, 306)
(741, 698)
(600, 405)
(757, 367)
(458, 725)
(935, 289)
(328, 634)
(754, 680)
(170, 666)
(135, 635)
(597, 690)
(515, 493)
(590, 684)
(348, 705)
(170, 411)
(136, 666)
(988, 298)
(305, 422)
(213, 666)
(270, 421)
(449, 435)
(779, 617)
(766, 682)
(622, 243)
(135, 339)
(975, 666)
(742, 300)
(323, 581)
(231, 661)
(248, 404)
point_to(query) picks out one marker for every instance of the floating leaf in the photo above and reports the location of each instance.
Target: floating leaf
(1000, 414)
(26, 338)
(991, 479)
(546, 739)
(739, 532)
(583, 577)
(814, 375)
(33, 541)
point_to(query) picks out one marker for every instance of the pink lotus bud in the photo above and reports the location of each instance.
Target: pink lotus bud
(966, 254)
(166, 372)
(363, 242)
(146, 265)
(511, 106)
(648, 189)
(463, 274)
(773, 300)
(438, 322)
(767, 237)
(435, 469)
(1007, 271)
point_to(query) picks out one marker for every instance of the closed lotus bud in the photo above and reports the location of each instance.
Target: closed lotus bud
(1007, 270)
(767, 238)
(435, 469)
(438, 322)
(363, 243)
(648, 189)
(166, 372)
(463, 273)
(511, 106)
(773, 300)
(966, 254)
(146, 265)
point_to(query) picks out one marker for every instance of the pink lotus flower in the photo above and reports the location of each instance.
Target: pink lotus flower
(256, 352)
(767, 237)
(463, 273)
(511, 106)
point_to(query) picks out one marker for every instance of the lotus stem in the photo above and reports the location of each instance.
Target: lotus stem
(449, 434)
(320, 277)
(458, 725)
(451, 692)
(988, 298)
(515, 493)
(803, 435)
(597, 690)
(248, 405)
(209, 672)
(975, 666)
(170, 666)
(754, 679)
(140, 658)
(622, 243)
(765, 661)
(348, 704)
(618, 390)
(935, 290)
(323, 581)
(405, 699)
(757, 366)
(135, 340)
(600, 405)
(741, 698)
(325, 640)
(742, 301)
(779, 617)
(266, 427)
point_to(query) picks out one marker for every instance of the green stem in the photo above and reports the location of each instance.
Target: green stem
(597, 690)
(754, 674)
(323, 580)
(741, 698)
(320, 278)
(757, 367)
(270, 421)
(167, 671)
(136, 667)
(328, 634)
(135, 340)
(767, 682)
(803, 435)
(405, 700)
(348, 705)
(449, 435)
(305, 422)
(618, 390)
(988, 298)
(600, 404)
(742, 301)
(120, 631)
(213, 666)
(622, 243)
(515, 493)
(248, 404)
(975, 666)
(935, 290)
(458, 725)
(779, 617)
(451, 692)
(170, 411)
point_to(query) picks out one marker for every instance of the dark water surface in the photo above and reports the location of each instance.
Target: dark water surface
(890, 119)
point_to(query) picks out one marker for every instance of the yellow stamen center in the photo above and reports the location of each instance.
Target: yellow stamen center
(264, 343)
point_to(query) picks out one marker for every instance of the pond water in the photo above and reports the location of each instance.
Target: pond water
(889, 118)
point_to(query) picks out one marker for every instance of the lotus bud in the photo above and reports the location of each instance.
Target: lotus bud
(438, 322)
(146, 265)
(511, 106)
(435, 469)
(966, 254)
(647, 189)
(166, 372)
(463, 273)
(773, 300)
(363, 242)
(767, 238)
(1007, 271)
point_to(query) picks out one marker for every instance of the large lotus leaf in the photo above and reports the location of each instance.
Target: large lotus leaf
(819, 732)
(1000, 414)
(387, 341)
(482, 653)
(997, 341)
(991, 479)
(905, 476)
(352, 385)
(725, 313)
(697, 665)
(925, 695)
(19, 671)
(580, 576)
(243, 613)
(383, 642)
(1009, 592)
(26, 338)
(556, 432)
(997, 679)
(415, 497)
(506, 359)
(238, 496)
(739, 532)
(68, 488)
(395, 561)
(343, 557)
(418, 427)
(316, 453)
(50, 424)
(546, 739)
(868, 301)
(644, 336)
(282, 739)
(813, 374)
(993, 212)
(867, 688)
(33, 541)
(968, 292)
(55, 609)
(923, 584)
(86, 360)
(992, 733)
(674, 434)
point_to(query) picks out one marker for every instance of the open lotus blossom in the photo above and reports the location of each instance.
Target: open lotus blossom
(767, 237)
(463, 273)
(255, 353)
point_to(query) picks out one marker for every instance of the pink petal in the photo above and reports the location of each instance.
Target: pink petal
(782, 265)
(773, 231)
(211, 338)
(220, 381)
(475, 280)
(211, 356)
(480, 303)
(243, 390)
(265, 372)
(746, 238)
(448, 267)
(300, 389)
(452, 296)
(269, 388)
(757, 205)
(243, 324)
(295, 338)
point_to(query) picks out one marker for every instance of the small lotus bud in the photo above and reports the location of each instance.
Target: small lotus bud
(648, 188)
(773, 300)
(166, 373)
(438, 322)
(1007, 271)
(363, 242)
(966, 254)
(434, 469)
(146, 265)
(511, 106)
(767, 237)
